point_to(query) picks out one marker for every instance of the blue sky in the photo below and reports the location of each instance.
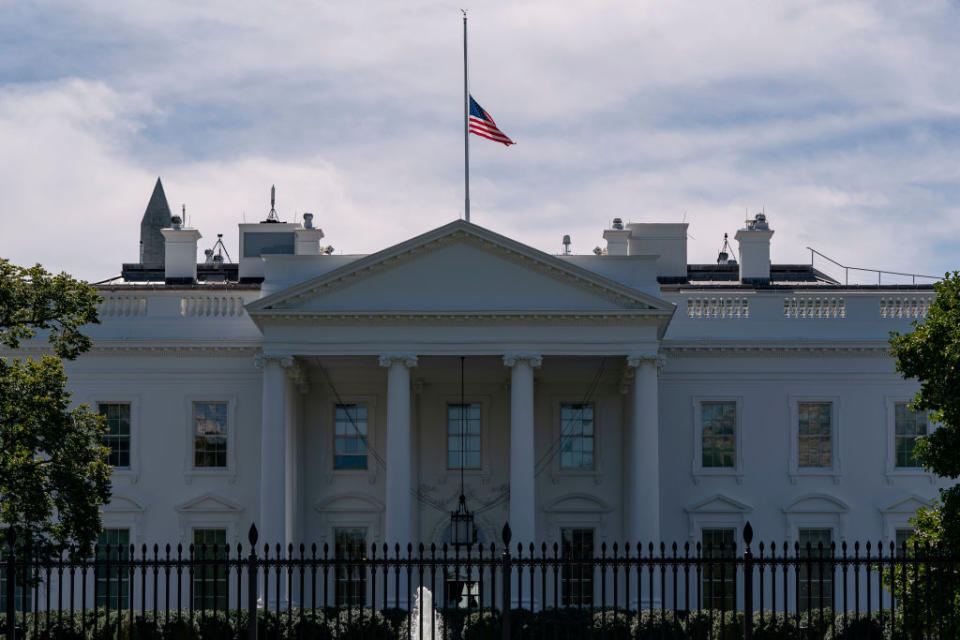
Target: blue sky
(840, 119)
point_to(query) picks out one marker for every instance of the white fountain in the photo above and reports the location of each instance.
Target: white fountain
(429, 626)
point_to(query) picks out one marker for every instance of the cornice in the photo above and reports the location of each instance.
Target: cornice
(624, 316)
(477, 236)
(705, 347)
(144, 347)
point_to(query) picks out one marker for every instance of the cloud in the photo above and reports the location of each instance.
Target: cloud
(840, 118)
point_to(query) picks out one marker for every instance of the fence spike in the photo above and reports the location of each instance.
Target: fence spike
(506, 534)
(253, 534)
(748, 533)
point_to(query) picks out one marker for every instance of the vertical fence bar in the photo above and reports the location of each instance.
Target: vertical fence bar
(252, 584)
(11, 576)
(747, 583)
(505, 584)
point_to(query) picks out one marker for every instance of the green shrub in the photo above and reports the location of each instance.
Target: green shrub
(657, 624)
(356, 624)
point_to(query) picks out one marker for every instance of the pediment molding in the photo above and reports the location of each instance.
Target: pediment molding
(122, 504)
(456, 232)
(577, 503)
(209, 503)
(718, 503)
(908, 504)
(349, 503)
(817, 503)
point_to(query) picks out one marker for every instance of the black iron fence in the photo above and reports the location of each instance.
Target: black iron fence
(765, 590)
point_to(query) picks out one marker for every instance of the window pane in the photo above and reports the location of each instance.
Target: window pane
(903, 546)
(909, 427)
(350, 545)
(113, 585)
(463, 450)
(576, 436)
(576, 574)
(117, 416)
(816, 574)
(350, 436)
(718, 421)
(815, 443)
(719, 579)
(210, 434)
(210, 575)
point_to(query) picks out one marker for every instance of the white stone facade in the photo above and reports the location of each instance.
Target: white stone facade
(644, 344)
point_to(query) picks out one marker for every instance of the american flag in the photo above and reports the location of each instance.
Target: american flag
(483, 125)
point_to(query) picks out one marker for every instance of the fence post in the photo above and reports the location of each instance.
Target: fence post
(747, 583)
(11, 629)
(252, 621)
(505, 586)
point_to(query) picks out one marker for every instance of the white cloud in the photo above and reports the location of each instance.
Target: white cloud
(840, 118)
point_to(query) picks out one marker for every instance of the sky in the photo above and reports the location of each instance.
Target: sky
(839, 119)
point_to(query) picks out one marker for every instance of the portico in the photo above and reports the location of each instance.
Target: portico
(396, 350)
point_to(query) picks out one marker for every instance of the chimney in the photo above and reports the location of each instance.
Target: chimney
(665, 239)
(616, 237)
(180, 248)
(754, 241)
(307, 239)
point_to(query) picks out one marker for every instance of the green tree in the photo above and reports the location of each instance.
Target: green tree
(931, 354)
(54, 474)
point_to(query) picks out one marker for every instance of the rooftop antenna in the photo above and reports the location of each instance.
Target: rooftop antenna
(272, 216)
(725, 252)
(221, 249)
(183, 208)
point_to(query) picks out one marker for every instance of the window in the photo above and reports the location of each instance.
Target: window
(113, 585)
(210, 434)
(210, 574)
(576, 575)
(349, 546)
(263, 243)
(909, 426)
(719, 579)
(815, 435)
(576, 436)
(463, 450)
(22, 600)
(350, 436)
(117, 438)
(718, 433)
(903, 538)
(816, 576)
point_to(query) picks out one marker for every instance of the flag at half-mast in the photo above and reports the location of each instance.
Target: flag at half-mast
(483, 125)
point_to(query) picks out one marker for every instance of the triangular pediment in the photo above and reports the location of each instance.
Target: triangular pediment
(460, 268)
(909, 504)
(122, 504)
(209, 503)
(817, 503)
(719, 504)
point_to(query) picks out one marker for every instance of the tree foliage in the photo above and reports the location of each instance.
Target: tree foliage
(54, 474)
(931, 355)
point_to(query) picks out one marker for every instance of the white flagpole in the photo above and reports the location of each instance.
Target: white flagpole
(466, 125)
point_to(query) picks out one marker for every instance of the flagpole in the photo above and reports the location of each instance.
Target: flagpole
(466, 126)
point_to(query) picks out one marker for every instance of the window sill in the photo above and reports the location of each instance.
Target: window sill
(557, 475)
(700, 474)
(210, 472)
(909, 472)
(125, 472)
(796, 474)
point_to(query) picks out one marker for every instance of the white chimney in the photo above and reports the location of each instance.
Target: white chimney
(754, 242)
(616, 237)
(180, 248)
(307, 239)
(665, 239)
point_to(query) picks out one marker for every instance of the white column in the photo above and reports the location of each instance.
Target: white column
(643, 494)
(523, 507)
(397, 528)
(273, 458)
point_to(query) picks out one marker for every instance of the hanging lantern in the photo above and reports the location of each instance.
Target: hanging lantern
(462, 530)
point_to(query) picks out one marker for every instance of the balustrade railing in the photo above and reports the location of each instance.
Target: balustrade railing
(814, 306)
(712, 307)
(501, 590)
(122, 305)
(211, 305)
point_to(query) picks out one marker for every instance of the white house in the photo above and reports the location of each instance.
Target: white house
(625, 396)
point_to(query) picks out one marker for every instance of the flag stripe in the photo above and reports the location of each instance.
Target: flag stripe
(481, 124)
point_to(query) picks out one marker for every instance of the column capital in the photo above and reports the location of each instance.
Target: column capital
(262, 359)
(409, 360)
(532, 359)
(635, 360)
